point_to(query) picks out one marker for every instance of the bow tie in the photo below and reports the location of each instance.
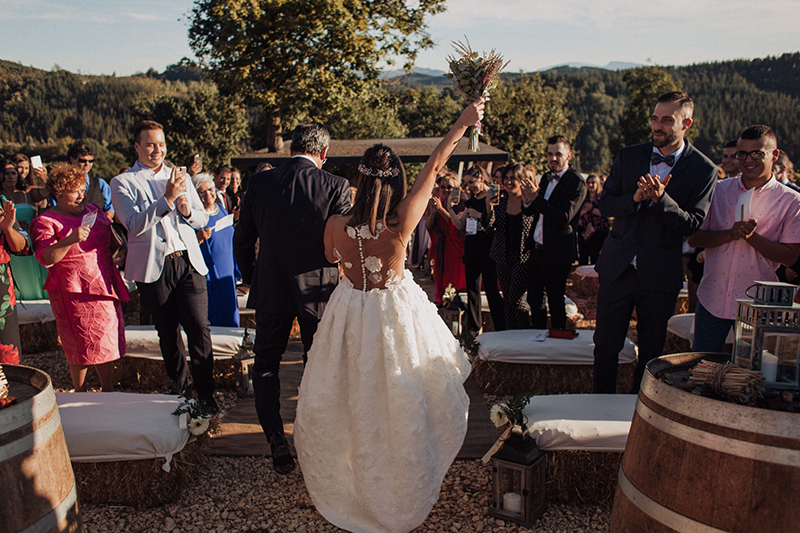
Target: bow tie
(656, 159)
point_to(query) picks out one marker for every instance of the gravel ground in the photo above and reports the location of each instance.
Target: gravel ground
(233, 494)
(244, 494)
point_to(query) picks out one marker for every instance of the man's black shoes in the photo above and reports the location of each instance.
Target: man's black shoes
(282, 460)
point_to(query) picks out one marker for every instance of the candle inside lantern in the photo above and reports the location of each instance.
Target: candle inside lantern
(512, 502)
(769, 367)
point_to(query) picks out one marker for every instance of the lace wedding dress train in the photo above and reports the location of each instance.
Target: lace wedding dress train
(382, 410)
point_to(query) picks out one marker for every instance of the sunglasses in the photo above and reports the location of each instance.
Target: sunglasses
(84, 161)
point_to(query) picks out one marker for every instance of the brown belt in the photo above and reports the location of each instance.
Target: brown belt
(175, 255)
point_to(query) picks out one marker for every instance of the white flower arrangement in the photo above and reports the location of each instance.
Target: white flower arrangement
(498, 416)
(198, 426)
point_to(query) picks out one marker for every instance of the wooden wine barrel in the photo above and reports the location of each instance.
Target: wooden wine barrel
(38, 491)
(702, 465)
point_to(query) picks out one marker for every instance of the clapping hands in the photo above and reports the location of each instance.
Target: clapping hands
(650, 188)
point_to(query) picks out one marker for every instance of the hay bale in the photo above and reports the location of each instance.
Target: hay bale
(503, 379)
(39, 337)
(140, 484)
(575, 476)
(141, 374)
(675, 344)
(584, 285)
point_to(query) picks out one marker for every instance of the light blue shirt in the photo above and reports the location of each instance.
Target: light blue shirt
(105, 190)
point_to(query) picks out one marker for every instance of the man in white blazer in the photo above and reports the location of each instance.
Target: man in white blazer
(162, 211)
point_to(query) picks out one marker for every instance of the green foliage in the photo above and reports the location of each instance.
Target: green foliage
(522, 115)
(202, 122)
(644, 86)
(299, 56)
(429, 112)
(369, 113)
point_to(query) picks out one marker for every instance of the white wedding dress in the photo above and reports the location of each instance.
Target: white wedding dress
(382, 410)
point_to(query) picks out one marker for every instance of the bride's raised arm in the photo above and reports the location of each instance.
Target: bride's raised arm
(413, 205)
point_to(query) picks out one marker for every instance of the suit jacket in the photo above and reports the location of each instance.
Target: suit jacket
(141, 209)
(654, 233)
(286, 209)
(561, 215)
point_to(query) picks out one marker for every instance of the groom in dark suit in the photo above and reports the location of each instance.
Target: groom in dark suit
(556, 207)
(658, 193)
(285, 209)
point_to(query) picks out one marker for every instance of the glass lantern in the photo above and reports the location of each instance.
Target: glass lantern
(453, 314)
(518, 479)
(768, 335)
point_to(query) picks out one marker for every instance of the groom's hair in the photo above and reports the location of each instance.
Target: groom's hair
(310, 139)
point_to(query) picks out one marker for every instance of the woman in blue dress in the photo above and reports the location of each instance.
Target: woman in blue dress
(216, 243)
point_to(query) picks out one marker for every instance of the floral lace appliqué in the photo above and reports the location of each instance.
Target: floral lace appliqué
(348, 264)
(392, 279)
(373, 264)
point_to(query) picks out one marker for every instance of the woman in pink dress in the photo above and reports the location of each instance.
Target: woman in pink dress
(74, 241)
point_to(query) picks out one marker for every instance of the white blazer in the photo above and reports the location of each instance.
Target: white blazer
(141, 209)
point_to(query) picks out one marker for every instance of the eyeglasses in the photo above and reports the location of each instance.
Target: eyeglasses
(84, 161)
(755, 155)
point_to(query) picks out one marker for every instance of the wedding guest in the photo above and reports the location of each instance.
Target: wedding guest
(216, 243)
(641, 264)
(235, 192)
(10, 241)
(447, 243)
(23, 163)
(81, 156)
(592, 226)
(729, 162)
(511, 247)
(73, 240)
(29, 274)
(739, 251)
(478, 267)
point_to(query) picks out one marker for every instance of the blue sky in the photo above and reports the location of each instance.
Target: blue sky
(123, 37)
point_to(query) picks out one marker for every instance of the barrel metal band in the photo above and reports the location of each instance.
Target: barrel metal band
(28, 442)
(51, 519)
(37, 407)
(659, 513)
(740, 448)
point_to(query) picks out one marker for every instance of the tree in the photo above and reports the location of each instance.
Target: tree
(430, 112)
(201, 123)
(522, 115)
(295, 58)
(644, 86)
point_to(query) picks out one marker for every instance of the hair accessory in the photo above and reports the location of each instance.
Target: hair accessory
(378, 173)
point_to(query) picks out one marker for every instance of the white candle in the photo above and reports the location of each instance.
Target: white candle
(769, 366)
(512, 502)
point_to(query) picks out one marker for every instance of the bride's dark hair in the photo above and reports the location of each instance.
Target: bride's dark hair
(380, 188)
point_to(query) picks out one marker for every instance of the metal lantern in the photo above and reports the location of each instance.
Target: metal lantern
(453, 314)
(518, 479)
(768, 335)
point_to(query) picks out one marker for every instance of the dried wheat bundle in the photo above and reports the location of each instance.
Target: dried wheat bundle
(474, 77)
(729, 381)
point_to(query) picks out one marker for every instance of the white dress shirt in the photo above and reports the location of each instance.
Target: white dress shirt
(538, 233)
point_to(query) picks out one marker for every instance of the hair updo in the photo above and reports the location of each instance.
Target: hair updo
(381, 186)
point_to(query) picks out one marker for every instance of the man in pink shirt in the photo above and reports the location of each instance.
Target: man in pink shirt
(752, 227)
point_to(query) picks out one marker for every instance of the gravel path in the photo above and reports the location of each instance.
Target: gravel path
(243, 494)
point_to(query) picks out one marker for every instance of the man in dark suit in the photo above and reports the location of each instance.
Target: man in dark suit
(658, 193)
(286, 209)
(556, 205)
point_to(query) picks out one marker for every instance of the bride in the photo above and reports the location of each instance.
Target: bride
(382, 410)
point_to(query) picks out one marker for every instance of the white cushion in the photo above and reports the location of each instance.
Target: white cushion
(120, 426)
(517, 346)
(569, 305)
(34, 311)
(142, 341)
(586, 271)
(683, 326)
(589, 422)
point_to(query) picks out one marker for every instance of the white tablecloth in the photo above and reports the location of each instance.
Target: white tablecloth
(516, 346)
(142, 341)
(120, 426)
(589, 422)
(586, 271)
